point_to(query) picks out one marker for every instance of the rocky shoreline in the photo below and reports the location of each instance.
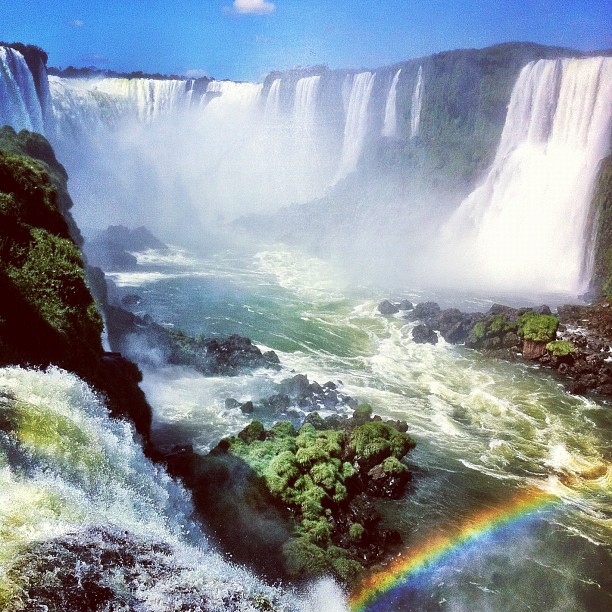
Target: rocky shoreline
(575, 341)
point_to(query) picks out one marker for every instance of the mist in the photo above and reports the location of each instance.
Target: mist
(344, 165)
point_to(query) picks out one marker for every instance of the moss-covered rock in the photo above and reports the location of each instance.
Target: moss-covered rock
(318, 478)
(47, 313)
(560, 348)
(538, 327)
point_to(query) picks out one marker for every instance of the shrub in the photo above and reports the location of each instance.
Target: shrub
(560, 348)
(376, 441)
(393, 466)
(538, 327)
(356, 531)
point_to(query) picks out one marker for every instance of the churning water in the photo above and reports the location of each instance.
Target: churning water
(486, 429)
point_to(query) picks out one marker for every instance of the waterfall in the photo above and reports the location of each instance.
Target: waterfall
(151, 97)
(305, 102)
(272, 108)
(356, 125)
(525, 225)
(80, 111)
(417, 102)
(20, 106)
(389, 129)
(71, 474)
(231, 98)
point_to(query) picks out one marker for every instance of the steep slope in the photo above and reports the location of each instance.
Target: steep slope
(47, 314)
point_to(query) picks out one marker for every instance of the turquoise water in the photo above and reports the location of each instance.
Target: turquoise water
(484, 428)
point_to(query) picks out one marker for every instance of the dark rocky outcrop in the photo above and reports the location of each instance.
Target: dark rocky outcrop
(423, 334)
(388, 308)
(576, 342)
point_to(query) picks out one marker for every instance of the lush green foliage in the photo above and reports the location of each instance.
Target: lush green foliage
(376, 441)
(310, 472)
(538, 327)
(560, 348)
(48, 271)
(37, 254)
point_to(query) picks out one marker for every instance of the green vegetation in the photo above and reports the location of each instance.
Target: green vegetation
(601, 220)
(48, 271)
(37, 255)
(376, 441)
(315, 472)
(538, 327)
(560, 348)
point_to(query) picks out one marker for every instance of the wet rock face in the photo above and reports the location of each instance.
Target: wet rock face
(234, 354)
(422, 334)
(387, 308)
(108, 569)
(96, 570)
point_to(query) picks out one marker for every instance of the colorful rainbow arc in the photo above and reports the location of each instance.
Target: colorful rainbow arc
(433, 550)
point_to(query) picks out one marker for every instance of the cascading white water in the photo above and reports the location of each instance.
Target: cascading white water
(272, 108)
(356, 125)
(66, 469)
(389, 129)
(151, 97)
(417, 103)
(524, 227)
(20, 106)
(304, 105)
(80, 110)
(232, 97)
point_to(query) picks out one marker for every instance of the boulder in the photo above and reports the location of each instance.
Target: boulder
(387, 308)
(422, 334)
(405, 305)
(533, 350)
(509, 312)
(247, 407)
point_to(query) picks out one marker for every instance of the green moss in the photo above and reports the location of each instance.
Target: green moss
(478, 331)
(356, 531)
(308, 473)
(538, 327)
(560, 348)
(318, 531)
(377, 440)
(253, 431)
(304, 559)
(393, 466)
(49, 274)
(363, 412)
(344, 568)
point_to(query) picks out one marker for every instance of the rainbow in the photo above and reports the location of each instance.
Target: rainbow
(435, 549)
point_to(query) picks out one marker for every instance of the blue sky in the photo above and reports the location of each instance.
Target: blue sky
(245, 39)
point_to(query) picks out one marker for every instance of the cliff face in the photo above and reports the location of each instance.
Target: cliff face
(601, 280)
(47, 313)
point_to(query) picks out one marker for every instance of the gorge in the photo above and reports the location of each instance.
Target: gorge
(290, 207)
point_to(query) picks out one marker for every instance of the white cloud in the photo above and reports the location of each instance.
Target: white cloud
(77, 23)
(253, 7)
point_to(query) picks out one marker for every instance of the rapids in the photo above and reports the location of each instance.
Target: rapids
(484, 428)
